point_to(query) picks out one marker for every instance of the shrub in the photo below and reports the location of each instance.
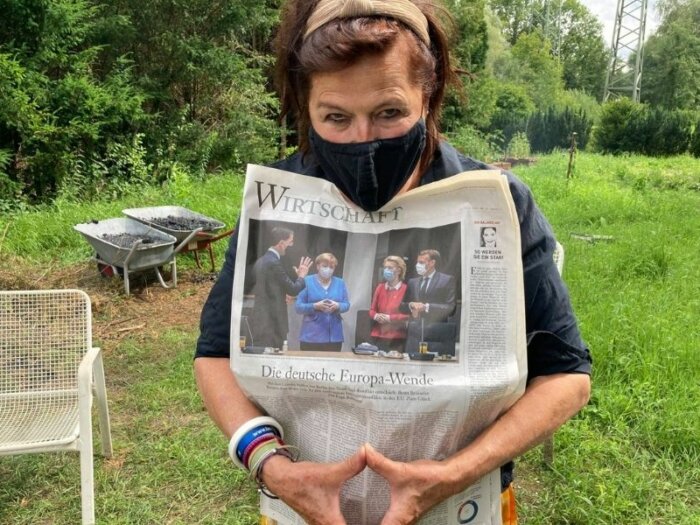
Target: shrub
(551, 129)
(519, 146)
(614, 132)
(635, 128)
(475, 143)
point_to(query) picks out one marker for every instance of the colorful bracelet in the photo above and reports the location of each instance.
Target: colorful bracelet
(250, 435)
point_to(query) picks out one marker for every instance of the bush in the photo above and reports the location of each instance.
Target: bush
(475, 144)
(519, 146)
(626, 126)
(551, 129)
(614, 133)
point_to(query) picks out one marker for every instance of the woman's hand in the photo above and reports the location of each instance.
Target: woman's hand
(320, 306)
(312, 489)
(416, 487)
(382, 318)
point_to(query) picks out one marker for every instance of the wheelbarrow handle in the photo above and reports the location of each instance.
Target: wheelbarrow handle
(212, 238)
(187, 240)
(134, 247)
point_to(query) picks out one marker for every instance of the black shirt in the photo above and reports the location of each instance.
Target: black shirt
(554, 343)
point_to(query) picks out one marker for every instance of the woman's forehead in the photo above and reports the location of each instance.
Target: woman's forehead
(373, 76)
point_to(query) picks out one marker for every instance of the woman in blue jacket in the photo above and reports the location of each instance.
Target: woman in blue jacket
(322, 301)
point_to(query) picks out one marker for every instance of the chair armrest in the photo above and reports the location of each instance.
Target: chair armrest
(85, 371)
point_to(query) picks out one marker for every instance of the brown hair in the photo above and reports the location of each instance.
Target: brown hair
(341, 42)
(433, 255)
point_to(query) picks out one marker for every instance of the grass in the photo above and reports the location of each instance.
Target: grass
(631, 457)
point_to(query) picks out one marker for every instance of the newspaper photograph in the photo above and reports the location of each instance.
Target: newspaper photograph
(408, 332)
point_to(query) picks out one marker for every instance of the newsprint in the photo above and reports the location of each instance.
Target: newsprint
(452, 368)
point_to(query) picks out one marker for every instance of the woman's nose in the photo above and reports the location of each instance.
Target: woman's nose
(362, 131)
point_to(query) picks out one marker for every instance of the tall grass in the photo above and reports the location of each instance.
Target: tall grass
(632, 456)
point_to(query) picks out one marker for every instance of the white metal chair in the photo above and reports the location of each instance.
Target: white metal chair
(48, 369)
(548, 445)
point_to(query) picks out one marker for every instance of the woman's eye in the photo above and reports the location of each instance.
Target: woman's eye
(335, 117)
(390, 113)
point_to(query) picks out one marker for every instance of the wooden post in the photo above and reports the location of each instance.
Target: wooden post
(572, 157)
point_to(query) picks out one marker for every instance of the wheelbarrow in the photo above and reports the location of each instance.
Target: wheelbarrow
(180, 223)
(127, 246)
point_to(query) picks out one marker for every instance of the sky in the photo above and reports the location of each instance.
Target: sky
(605, 11)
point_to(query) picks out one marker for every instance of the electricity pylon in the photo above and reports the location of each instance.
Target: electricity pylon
(624, 78)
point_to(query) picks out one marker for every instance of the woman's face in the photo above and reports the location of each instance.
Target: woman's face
(393, 268)
(326, 264)
(489, 235)
(372, 99)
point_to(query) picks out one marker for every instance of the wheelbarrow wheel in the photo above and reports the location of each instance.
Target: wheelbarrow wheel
(107, 270)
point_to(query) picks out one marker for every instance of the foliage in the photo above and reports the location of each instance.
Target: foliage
(87, 87)
(513, 107)
(533, 67)
(475, 143)
(551, 129)
(672, 58)
(53, 106)
(636, 128)
(573, 32)
(471, 46)
(519, 146)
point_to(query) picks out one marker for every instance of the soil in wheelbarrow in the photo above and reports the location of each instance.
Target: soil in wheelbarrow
(182, 224)
(127, 240)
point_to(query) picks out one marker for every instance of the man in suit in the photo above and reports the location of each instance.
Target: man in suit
(272, 285)
(430, 299)
(431, 296)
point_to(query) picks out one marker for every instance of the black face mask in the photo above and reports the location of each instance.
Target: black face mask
(370, 173)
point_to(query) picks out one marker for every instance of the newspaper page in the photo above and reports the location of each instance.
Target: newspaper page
(451, 366)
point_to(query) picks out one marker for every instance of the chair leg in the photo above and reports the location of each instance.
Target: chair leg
(102, 408)
(87, 491)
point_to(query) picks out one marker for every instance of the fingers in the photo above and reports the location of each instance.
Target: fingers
(353, 465)
(382, 465)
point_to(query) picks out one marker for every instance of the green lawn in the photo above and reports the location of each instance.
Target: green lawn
(631, 457)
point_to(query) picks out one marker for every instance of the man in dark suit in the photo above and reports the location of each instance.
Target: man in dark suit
(430, 299)
(431, 296)
(272, 285)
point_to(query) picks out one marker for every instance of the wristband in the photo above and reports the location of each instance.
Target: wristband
(287, 451)
(242, 433)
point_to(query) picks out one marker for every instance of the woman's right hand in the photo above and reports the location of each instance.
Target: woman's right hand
(312, 489)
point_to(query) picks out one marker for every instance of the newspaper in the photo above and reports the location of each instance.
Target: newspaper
(429, 398)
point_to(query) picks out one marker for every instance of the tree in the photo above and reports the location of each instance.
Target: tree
(582, 50)
(54, 109)
(672, 58)
(575, 36)
(533, 66)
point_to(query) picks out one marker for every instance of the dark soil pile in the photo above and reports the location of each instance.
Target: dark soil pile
(127, 240)
(181, 224)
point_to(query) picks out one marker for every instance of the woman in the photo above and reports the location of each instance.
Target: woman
(389, 328)
(488, 237)
(321, 302)
(364, 81)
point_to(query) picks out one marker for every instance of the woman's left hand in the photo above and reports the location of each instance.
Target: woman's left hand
(416, 487)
